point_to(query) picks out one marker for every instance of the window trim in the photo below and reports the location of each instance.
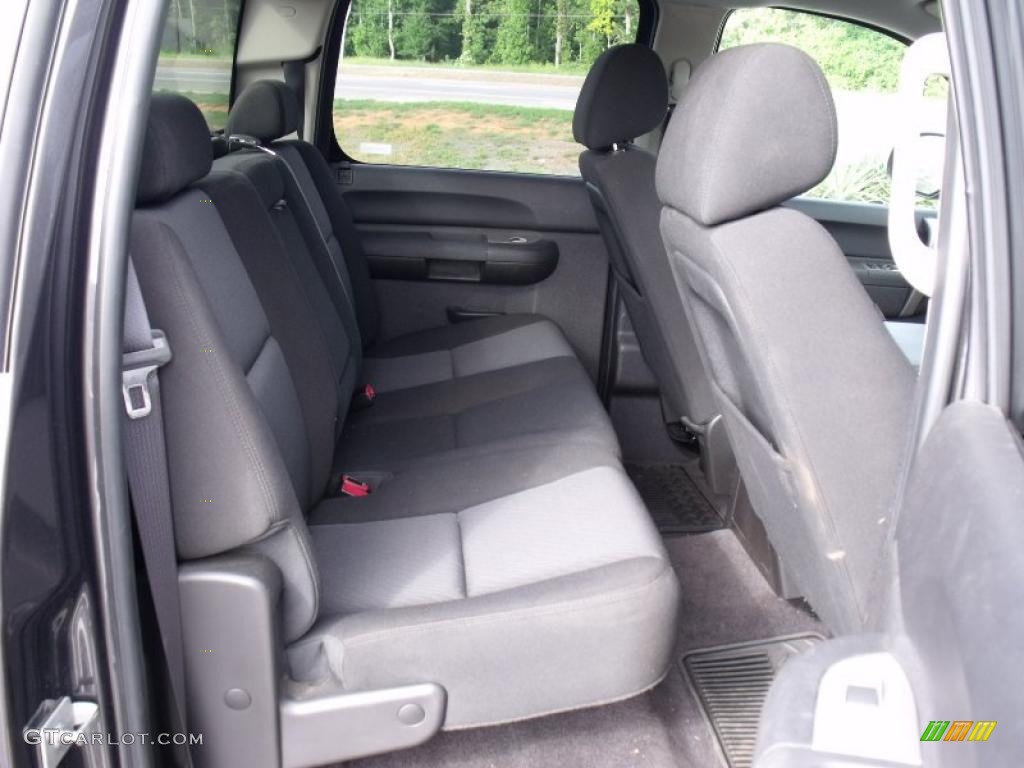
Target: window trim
(835, 17)
(323, 137)
(234, 55)
(233, 70)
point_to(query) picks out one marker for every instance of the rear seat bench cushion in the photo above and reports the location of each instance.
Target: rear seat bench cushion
(533, 404)
(456, 480)
(516, 606)
(463, 349)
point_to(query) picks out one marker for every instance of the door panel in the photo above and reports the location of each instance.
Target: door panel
(445, 245)
(860, 230)
(960, 562)
(459, 255)
(949, 611)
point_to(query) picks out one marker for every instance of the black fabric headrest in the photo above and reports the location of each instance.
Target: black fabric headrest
(267, 109)
(624, 96)
(177, 149)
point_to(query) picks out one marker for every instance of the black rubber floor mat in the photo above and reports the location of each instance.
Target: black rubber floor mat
(732, 682)
(673, 499)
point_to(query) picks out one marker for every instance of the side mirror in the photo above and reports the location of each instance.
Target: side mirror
(928, 158)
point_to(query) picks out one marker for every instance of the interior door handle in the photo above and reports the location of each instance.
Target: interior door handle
(507, 259)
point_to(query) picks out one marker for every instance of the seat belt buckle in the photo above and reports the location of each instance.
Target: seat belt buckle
(352, 487)
(135, 370)
(364, 398)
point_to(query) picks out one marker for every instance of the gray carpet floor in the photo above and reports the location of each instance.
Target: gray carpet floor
(724, 600)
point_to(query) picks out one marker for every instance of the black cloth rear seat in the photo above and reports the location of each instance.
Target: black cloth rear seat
(504, 380)
(517, 569)
(267, 111)
(443, 389)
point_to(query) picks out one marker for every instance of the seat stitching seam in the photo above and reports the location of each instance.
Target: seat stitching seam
(566, 606)
(219, 377)
(462, 554)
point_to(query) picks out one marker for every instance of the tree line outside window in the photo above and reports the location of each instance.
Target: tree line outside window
(200, 28)
(510, 32)
(560, 33)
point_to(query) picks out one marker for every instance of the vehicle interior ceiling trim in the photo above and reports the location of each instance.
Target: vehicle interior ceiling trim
(117, 164)
(647, 23)
(322, 136)
(234, 54)
(988, 355)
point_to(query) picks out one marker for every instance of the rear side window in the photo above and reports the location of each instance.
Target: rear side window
(477, 84)
(196, 54)
(862, 66)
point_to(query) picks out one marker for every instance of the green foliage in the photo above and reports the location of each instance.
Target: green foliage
(520, 32)
(603, 18)
(498, 32)
(864, 181)
(428, 31)
(854, 58)
(200, 27)
(367, 32)
(512, 44)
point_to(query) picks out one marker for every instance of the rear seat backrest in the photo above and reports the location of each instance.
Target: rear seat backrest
(241, 463)
(262, 181)
(267, 110)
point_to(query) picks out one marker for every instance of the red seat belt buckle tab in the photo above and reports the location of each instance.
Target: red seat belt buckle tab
(352, 487)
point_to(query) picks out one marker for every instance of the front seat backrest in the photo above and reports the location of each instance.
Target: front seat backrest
(815, 393)
(625, 96)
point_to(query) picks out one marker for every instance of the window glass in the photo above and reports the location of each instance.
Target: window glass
(480, 84)
(862, 66)
(196, 54)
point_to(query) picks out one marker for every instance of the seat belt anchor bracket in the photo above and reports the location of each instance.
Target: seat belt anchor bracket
(135, 370)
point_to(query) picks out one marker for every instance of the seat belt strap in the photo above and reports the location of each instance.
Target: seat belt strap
(145, 453)
(250, 142)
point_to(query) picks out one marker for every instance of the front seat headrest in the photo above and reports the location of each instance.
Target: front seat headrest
(756, 126)
(624, 96)
(177, 149)
(267, 109)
